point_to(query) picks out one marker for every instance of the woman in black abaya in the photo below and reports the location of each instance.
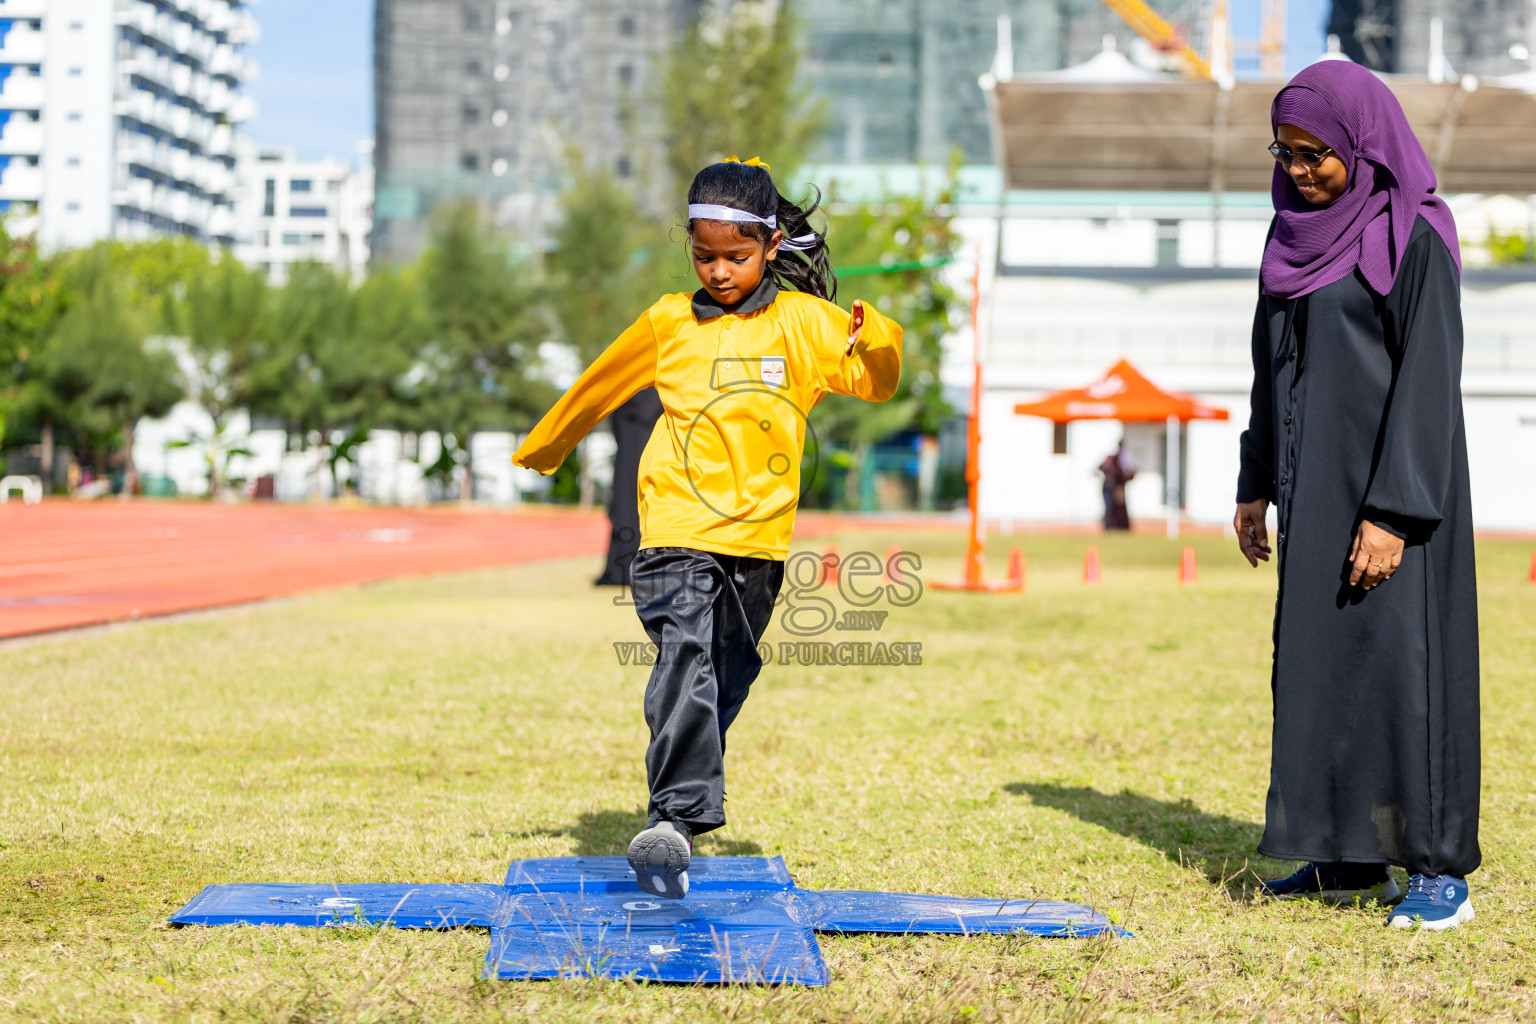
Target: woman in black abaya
(1357, 436)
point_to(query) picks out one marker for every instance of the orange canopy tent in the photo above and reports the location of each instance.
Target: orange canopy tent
(1124, 394)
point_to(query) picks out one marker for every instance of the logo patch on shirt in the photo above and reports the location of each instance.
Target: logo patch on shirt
(771, 369)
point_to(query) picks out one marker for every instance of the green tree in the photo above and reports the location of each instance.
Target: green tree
(731, 85)
(32, 297)
(231, 362)
(100, 372)
(1508, 249)
(474, 369)
(893, 254)
(599, 279)
(602, 270)
(345, 349)
(387, 322)
(155, 271)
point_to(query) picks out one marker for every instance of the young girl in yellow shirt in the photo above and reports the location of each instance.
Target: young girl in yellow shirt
(738, 365)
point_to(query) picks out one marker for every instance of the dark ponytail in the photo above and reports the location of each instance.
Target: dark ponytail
(745, 187)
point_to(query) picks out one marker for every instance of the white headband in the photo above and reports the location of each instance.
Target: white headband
(709, 211)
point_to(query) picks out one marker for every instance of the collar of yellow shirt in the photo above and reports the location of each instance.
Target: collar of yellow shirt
(705, 307)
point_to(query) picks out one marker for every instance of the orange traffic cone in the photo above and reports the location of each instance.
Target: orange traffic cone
(1016, 567)
(1187, 573)
(1091, 574)
(829, 563)
(890, 556)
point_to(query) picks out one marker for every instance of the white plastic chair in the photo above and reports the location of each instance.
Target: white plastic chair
(30, 488)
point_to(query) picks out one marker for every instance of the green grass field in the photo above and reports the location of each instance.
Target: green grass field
(1108, 745)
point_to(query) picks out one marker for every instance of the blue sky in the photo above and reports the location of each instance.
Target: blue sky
(315, 90)
(316, 85)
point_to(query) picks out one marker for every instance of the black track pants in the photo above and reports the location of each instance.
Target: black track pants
(705, 613)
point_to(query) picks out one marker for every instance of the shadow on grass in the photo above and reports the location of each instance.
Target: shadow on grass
(607, 834)
(1214, 844)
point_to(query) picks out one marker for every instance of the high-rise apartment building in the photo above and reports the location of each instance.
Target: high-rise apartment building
(1478, 37)
(291, 210)
(490, 99)
(899, 76)
(119, 116)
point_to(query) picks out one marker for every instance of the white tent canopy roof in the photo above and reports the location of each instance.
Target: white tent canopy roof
(1103, 67)
(1086, 128)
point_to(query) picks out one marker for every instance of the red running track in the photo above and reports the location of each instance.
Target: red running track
(65, 564)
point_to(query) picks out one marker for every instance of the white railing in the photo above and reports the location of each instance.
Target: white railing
(22, 135)
(218, 19)
(23, 46)
(1210, 348)
(244, 28)
(1094, 346)
(137, 14)
(22, 92)
(221, 222)
(222, 61)
(23, 8)
(221, 141)
(21, 183)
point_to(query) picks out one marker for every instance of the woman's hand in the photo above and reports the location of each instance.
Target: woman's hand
(855, 325)
(1376, 554)
(1252, 534)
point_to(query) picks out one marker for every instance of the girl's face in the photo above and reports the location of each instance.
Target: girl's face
(730, 264)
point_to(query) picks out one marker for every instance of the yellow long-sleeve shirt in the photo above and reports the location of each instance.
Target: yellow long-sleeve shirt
(722, 470)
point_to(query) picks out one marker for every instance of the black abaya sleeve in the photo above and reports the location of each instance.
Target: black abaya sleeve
(1256, 475)
(1411, 481)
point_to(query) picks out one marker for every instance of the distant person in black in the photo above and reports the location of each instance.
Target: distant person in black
(631, 424)
(1118, 470)
(1357, 436)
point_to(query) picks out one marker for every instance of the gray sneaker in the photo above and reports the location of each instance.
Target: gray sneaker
(660, 856)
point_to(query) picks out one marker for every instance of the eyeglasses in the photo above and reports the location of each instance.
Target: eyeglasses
(1306, 157)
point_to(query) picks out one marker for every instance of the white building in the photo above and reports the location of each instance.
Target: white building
(21, 106)
(1085, 279)
(291, 210)
(118, 118)
(1073, 281)
(1168, 279)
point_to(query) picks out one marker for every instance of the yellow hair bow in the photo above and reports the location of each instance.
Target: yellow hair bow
(754, 162)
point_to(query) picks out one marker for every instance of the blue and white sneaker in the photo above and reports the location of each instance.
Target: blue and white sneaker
(1434, 902)
(1335, 883)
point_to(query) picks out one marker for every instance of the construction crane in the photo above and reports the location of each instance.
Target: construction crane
(1148, 24)
(1272, 39)
(1165, 38)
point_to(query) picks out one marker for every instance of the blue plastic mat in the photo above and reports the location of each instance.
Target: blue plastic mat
(900, 913)
(328, 906)
(756, 936)
(744, 920)
(705, 874)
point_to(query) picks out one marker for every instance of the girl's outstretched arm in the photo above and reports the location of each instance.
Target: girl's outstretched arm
(625, 367)
(857, 354)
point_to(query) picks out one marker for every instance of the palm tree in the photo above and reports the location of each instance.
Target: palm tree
(101, 368)
(473, 370)
(231, 361)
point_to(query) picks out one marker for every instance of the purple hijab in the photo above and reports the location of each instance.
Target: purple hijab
(1390, 184)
